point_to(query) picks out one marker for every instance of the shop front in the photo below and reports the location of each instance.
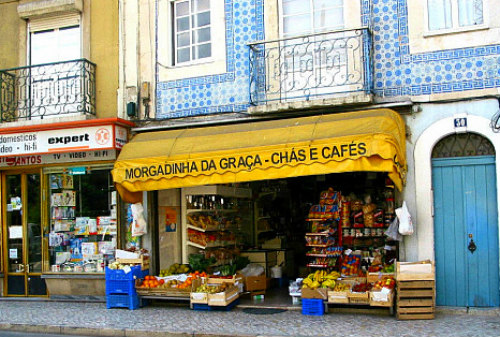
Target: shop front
(60, 212)
(250, 190)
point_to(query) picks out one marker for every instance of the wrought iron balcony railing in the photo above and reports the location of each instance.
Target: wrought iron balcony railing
(47, 90)
(310, 67)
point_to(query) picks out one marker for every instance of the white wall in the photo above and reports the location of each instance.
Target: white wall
(425, 129)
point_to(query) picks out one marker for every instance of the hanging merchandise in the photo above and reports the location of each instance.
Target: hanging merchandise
(393, 231)
(139, 222)
(405, 223)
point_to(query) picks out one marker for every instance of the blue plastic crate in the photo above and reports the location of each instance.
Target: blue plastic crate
(122, 301)
(119, 274)
(206, 307)
(124, 287)
(313, 306)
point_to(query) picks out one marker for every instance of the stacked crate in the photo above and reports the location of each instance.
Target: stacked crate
(120, 287)
(416, 290)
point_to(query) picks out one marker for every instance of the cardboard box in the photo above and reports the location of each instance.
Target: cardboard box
(255, 283)
(320, 293)
(224, 298)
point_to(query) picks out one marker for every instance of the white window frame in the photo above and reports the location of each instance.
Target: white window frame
(192, 44)
(52, 24)
(311, 29)
(455, 26)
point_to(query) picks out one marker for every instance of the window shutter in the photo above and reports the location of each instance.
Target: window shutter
(59, 21)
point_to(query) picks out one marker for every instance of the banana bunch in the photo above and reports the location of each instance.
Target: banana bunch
(320, 278)
(341, 287)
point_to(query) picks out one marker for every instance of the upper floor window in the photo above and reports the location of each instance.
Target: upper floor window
(192, 30)
(55, 45)
(452, 14)
(301, 17)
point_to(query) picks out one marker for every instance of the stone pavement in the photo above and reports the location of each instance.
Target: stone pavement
(170, 320)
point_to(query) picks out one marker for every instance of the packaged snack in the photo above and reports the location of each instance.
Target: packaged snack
(357, 219)
(356, 205)
(368, 219)
(368, 208)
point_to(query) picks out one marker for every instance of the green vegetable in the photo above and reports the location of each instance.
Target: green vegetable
(199, 262)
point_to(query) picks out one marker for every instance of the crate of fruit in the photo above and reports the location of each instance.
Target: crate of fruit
(359, 298)
(152, 286)
(338, 297)
(382, 298)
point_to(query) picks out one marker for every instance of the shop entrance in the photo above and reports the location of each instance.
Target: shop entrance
(21, 214)
(465, 222)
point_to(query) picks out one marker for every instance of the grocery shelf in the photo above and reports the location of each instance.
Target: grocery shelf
(321, 246)
(316, 265)
(321, 255)
(319, 234)
(203, 230)
(205, 247)
(208, 210)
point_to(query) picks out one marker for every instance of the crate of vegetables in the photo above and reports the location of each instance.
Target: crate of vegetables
(360, 293)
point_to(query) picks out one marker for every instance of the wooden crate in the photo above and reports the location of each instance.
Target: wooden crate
(338, 297)
(142, 260)
(376, 302)
(413, 271)
(359, 298)
(416, 299)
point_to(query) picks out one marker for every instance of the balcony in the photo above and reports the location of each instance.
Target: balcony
(324, 67)
(47, 91)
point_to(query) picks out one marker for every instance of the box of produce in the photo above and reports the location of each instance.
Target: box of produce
(236, 278)
(382, 298)
(317, 284)
(223, 295)
(199, 292)
(339, 293)
(319, 293)
(377, 273)
(359, 293)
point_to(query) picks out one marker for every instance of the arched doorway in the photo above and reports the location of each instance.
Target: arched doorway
(465, 221)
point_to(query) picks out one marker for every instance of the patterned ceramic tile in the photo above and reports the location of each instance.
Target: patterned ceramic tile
(396, 71)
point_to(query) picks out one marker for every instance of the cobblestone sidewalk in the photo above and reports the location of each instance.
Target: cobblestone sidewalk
(95, 319)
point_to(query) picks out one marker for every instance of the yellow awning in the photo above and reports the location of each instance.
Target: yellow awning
(372, 140)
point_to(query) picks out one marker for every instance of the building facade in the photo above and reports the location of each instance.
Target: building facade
(436, 63)
(60, 133)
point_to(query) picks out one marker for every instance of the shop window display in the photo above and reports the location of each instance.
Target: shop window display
(82, 222)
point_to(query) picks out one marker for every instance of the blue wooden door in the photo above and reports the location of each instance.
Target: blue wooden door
(465, 208)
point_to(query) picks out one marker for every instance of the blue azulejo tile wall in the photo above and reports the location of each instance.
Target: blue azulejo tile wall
(227, 92)
(398, 71)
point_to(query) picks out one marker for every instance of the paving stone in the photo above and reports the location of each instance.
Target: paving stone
(181, 321)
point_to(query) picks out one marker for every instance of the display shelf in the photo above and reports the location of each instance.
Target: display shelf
(316, 265)
(210, 210)
(227, 206)
(210, 246)
(321, 255)
(320, 234)
(204, 230)
(319, 220)
(321, 246)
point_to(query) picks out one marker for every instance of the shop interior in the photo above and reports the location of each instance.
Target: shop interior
(270, 225)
